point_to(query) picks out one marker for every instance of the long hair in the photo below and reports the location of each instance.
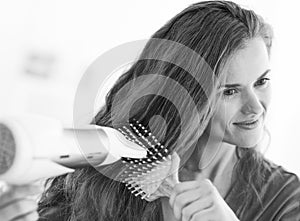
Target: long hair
(214, 30)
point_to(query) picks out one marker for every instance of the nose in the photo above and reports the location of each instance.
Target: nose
(252, 104)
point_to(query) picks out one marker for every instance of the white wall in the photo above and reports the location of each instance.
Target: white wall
(67, 35)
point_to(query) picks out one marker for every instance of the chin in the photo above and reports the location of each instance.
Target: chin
(248, 140)
(249, 143)
(248, 146)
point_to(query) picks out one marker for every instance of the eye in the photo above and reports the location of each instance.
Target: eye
(229, 92)
(262, 82)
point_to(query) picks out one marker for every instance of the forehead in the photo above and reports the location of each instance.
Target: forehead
(249, 63)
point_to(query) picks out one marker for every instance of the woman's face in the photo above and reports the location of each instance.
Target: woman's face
(244, 97)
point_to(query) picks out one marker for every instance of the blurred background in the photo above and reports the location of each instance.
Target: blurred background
(46, 46)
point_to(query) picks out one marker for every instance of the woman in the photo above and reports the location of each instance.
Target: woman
(226, 177)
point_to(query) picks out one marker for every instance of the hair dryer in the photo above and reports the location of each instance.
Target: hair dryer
(34, 147)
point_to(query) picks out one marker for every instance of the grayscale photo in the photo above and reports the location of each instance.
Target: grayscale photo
(182, 110)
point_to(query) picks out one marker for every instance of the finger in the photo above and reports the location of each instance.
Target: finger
(17, 209)
(203, 215)
(184, 199)
(196, 206)
(33, 216)
(15, 193)
(206, 183)
(182, 187)
(208, 186)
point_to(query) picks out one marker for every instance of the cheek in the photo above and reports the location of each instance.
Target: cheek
(224, 116)
(268, 96)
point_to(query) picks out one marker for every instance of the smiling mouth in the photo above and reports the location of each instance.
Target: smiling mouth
(248, 125)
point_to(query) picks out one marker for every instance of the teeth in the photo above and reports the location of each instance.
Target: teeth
(250, 123)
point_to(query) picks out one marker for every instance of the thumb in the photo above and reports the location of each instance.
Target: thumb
(175, 163)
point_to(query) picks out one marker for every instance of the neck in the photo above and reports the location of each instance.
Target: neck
(215, 162)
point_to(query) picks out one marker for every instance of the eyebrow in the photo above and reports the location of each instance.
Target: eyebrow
(239, 85)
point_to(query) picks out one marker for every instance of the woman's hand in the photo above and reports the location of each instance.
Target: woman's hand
(19, 203)
(199, 201)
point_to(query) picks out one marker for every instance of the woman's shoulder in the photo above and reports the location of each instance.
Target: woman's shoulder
(281, 193)
(280, 177)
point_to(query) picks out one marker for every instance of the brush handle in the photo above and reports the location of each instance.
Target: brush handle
(166, 187)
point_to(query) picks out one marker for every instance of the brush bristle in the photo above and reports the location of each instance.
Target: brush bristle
(143, 176)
